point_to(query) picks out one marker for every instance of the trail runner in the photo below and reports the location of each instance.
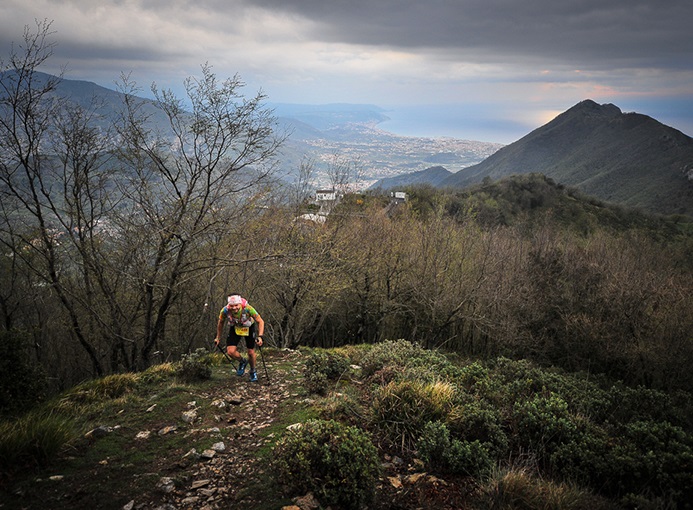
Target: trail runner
(245, 324)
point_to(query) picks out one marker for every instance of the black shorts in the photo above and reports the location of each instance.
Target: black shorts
(234, 339)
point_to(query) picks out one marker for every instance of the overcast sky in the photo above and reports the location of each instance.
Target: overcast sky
(494, 69)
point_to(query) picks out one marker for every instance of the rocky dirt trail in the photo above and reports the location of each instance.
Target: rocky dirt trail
(208, 451)
(198, 450)
(233, 415)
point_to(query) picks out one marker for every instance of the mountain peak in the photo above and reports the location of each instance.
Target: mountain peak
(589, 107)
(624, 158)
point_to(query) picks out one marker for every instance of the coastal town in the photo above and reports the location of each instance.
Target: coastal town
(377, 154)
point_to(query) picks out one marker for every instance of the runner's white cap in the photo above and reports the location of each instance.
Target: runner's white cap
(235, 300)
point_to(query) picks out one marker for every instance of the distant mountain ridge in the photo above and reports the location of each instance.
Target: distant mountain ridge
(86, 94)
(624, 158)
(621, 158)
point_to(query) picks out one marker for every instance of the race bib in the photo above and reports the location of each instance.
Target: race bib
(242, 330)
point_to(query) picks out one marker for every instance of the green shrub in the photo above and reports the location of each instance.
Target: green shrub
(353, 352)
(331, 363)
(195, 366)
(409, 361)
(33, 439)
(337, 462)
(321, 366)
(656, 455)
(644, 459)
(586, 459)
(618, 440)
(22, 381)
(476, 420)
(400, 410)
(473, 374)
(341, 407)
(315, 382)
(542, 423)
(390, 352)
(522, 380)
(643, 404)
(443, 454)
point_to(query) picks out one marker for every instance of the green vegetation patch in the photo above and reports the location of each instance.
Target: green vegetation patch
(34, 439)
(338, 463)
(619, 441)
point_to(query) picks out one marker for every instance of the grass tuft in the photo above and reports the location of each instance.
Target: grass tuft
(400, 410)
(96, 393)
(520, 488)
(34, 439)
(158, 373)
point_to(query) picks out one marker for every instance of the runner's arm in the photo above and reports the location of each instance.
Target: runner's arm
(260, 326)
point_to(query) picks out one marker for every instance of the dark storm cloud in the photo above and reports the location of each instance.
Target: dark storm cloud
(627, 33)
(521, 61)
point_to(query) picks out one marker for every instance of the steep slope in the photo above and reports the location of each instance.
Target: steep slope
(433, 176)
(624, 158)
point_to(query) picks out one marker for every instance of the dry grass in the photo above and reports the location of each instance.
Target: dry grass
(520, 488)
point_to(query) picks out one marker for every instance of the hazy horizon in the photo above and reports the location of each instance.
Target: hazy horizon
(494, 69)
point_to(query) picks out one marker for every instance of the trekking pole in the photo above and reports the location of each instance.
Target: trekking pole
(262, 357)
(227, 356)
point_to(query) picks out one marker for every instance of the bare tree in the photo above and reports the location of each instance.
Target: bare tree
(344, 174)
(302, 187)
(35, 214)
(118, 223)
(188, 185)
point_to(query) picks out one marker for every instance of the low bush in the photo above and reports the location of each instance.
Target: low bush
(472, 375)
(522, 380)
(653, 454)
(389, 353)
(321, 366)
(542, 423)
(354, 352)
(476, 420)
(627, 404)
(401, 359)
(337, 462)
(315, 382)
(443, 454)
(342, 407)
(196, 366)
(622, 441)
(331, 363)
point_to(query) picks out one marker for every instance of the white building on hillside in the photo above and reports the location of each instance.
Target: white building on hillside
(398, 197)
(322, 195)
